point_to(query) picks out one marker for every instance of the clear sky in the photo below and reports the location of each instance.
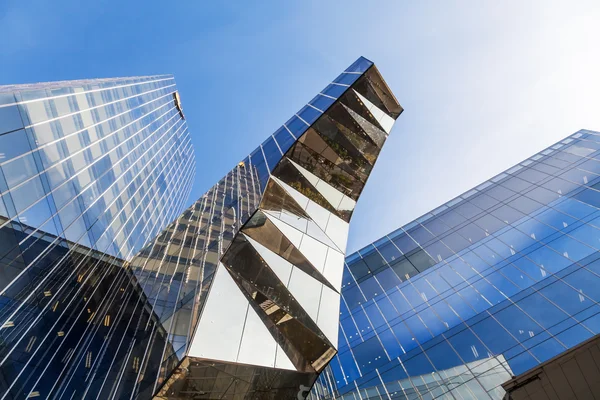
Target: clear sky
(484, 84)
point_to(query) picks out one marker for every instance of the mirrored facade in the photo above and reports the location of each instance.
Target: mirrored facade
(128, 297)
(90, 171)
(481, 289)
(258, 309)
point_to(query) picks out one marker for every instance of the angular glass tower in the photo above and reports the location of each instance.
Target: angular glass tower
(235, 298)
(90, 171)
(257, 261)
(481, 289)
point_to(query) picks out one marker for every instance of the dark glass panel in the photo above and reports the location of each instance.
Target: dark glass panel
(10, 119)
(320, 164)
(289, 174)
(421, 260)
(373, 260)
(389, 251)
(404, 268)
(358, 268)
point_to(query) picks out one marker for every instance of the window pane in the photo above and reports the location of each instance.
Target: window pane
(10, 119)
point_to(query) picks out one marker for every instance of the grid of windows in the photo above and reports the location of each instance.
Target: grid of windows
(82, 161)
(493, 282)
(100, 299)
(269, 241)
(90, 171)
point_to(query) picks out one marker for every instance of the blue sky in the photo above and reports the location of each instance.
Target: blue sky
(484, 84)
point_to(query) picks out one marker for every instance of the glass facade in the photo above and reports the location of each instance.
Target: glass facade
(256, 303)
(90, 171)
(128, 297)
(483, 288)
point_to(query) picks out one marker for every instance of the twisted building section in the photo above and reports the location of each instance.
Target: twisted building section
(261, 320)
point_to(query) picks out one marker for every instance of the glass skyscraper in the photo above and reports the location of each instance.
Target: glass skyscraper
(259, 258)
(484, 288)
(110, 291)
(90, 171)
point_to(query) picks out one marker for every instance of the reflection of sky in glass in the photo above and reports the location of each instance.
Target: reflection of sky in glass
(88, 156)
(506, 271)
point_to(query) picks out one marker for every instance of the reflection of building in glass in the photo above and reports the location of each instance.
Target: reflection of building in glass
(108, 294)
(89, 172)
(491, 284)
(261, 319)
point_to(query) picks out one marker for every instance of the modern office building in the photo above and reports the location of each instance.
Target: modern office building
(90, 171)
(261, 320)
(482, 294)
(110, 291)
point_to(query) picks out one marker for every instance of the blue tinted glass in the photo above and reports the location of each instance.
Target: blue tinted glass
(309, 114)
(346, 79)
(418, 364)
(399, 302)
(373, 259)
(296, 126)
(467, 346)
(404, 336)
(436, 281)
(390, 343)
(418, 329)
(370, 288)
(10, 119)
(446, 314)
(570, 248)
(586, 284)
(272, 153)
(322, 102)
(547, 349)
(259, 165)
(474, 299)
(578, 209)
(389, 251)
(574, 335)
(541, 310)
(284, 139)
(360, 65)
(588, 234)
(370, 355)
(549, 259)
(13, 144)
(334, 90)
(363, 324)
(456, 242)
(387, 309)
(521, 362)
(349, 366)
(353, 297)
(432, 321)
(404, 242)
(493, 335)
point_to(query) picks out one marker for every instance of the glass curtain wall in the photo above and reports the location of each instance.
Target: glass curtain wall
(490, 284)
(90, 171)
